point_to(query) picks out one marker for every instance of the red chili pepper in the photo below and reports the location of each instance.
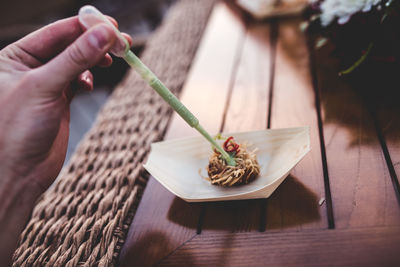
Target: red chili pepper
(231, 146)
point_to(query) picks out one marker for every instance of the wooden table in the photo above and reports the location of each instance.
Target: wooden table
(339, 206)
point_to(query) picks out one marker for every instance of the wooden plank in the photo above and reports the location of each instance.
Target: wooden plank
(294, 205)
(388, 124)
(248, 106)
(163, 222)
(247, 111)
(361, 187)
(378, 84)
(346, 247)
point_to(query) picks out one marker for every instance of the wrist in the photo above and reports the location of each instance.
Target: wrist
(17, 194)
(17, 198)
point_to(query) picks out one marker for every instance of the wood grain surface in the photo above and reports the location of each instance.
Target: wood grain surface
(346, 247)
(246, 110)
(338, 207)
(163, 222)
(294, 205)
(361, 186)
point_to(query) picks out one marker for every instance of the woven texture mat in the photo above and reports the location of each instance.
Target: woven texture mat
(84, 218)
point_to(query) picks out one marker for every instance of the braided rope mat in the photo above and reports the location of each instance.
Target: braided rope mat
(83, 219)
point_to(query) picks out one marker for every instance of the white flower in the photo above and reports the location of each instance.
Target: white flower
(342, 10)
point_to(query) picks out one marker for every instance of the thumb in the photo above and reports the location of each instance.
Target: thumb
(81, 55)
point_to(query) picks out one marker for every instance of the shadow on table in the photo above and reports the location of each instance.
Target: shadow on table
(291, 205)
(153, 245)
(358, 102)
(355, 102)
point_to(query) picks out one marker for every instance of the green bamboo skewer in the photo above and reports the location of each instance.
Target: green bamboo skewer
(173, 101)
(89, 16)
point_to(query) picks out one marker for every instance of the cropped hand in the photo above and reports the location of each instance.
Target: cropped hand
(38, 77)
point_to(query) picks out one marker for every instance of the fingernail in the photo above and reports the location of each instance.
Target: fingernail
(99, 37)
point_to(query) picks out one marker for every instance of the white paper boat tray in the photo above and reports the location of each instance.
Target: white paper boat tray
(180, 164)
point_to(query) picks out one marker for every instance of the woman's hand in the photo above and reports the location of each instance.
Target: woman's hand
(38, 77)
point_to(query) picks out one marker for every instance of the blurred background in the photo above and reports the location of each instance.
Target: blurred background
(139, 18)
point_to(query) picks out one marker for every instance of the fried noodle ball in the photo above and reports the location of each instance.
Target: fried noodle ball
(245, 171)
